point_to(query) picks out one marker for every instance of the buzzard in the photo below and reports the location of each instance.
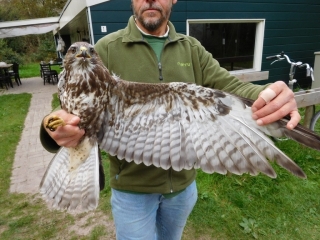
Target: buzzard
(169, 125)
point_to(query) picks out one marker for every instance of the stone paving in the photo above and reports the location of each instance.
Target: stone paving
(31, 159)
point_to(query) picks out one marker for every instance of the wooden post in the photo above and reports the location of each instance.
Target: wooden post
(308, 99)
(308, 114)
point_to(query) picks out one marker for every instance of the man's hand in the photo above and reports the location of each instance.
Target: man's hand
(274, 106)
(68, 135)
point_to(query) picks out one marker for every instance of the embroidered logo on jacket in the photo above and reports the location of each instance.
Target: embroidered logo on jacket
(184, 64)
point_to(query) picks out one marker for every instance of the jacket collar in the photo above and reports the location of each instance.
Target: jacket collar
(132, 33)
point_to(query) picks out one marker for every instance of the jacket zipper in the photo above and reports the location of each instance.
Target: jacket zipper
(120, 169)
(159, 62)
(160, 71)
(170, 177)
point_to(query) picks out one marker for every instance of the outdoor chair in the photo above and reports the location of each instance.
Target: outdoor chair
(59, 60)
(5, 80)
(3, 83)
(47, 74)
(15, 73)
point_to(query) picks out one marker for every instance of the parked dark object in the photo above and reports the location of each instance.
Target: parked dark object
(15, 73)
(5, 80)
(47, 74)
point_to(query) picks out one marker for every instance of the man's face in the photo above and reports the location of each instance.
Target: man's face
(152, 14)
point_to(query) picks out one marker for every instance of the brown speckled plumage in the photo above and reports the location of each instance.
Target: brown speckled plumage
(169, 125)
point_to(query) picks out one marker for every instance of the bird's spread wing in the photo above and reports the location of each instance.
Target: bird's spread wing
(182, 126)
(173, 125)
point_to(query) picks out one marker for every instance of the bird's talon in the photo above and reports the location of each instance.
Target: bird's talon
(54, 122)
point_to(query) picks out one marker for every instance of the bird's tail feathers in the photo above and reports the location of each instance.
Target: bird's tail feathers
(300, 133)
(278, 129)
(303, 135)
(79, 192)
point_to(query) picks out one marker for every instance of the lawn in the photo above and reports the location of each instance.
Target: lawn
(33, 70)
(25, 216)
(228, 207)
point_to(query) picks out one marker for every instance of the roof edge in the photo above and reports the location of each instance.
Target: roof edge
(95, 2)
(29, 22)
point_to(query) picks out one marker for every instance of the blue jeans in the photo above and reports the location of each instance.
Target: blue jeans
(151, 216)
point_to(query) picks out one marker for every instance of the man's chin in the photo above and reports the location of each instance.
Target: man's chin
(151, 12)
(151, 16)
(151, 23)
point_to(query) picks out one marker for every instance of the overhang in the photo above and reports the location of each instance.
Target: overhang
(30, 26)
(69, 15)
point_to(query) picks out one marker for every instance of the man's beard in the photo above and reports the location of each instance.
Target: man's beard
(151, 25)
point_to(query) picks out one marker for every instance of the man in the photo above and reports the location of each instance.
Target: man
(149, 202)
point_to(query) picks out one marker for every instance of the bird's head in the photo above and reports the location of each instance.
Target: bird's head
(81, 54)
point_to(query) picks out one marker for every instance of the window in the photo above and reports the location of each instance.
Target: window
(236, 44)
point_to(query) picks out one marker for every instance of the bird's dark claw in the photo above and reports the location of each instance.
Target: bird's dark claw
(53, 122)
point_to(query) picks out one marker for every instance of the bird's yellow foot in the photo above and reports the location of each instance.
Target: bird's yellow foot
(53, 122)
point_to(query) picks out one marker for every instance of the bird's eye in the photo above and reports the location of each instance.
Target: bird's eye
(73, 49)
(91, 50)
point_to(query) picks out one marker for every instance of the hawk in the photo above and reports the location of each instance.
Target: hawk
(169, 125)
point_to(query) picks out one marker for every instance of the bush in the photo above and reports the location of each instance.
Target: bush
(7, 54)
(46, 50)
(28, 49)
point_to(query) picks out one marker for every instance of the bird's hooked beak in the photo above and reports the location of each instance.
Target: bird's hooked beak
(83, 53)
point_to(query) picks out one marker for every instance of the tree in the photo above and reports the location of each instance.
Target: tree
(30, 48)
(29, 9)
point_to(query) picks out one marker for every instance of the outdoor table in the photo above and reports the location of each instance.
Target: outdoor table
(5, 67)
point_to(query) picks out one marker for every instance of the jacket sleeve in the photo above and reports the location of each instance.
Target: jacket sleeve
(217, 77)
(47, 142)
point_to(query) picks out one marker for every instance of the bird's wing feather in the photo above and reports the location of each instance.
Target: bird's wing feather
(72, 193)
(183, 125)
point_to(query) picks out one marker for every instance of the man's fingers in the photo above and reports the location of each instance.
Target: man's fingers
(271, 93)
(278, 106)
(71, 139)
(67, 136)
(294, 120)
(68, 142)
(280, 113)
(267, 95)
(74, 120)
(264, 98)
(274, 103)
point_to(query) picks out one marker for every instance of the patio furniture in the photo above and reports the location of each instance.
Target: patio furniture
(47, 74)
(4, 75)
(5, 80)
(15, 73)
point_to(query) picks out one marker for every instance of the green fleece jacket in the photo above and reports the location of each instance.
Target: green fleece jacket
(128, 55)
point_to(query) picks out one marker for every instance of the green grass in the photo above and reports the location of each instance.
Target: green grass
(13, 110)
(55, 101)
(33, 70)
(228, 207)
(25, 216)
(283, 208)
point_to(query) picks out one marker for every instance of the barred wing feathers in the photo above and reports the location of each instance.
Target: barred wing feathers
(169, 125)
(184, 126)
(78, 191)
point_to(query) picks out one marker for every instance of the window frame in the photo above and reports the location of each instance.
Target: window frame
(258, 48)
